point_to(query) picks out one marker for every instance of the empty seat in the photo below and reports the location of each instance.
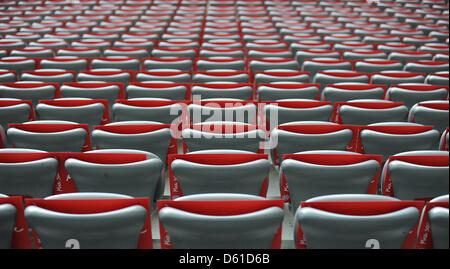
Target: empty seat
(426, 66)
(241, 227)
(166, 90)
(439, 78)
(242, 91)
(368, 111)
(203, 64)
(302, 136)
(267, 64)
(221, 76)
(174, 52)
(337, 76)
(27, 172)
(411, 94)
(65, 62)
(292, 110)
(138, 135)
(281, 75)
(182, 64)
(433, 232)
(222, 135)
(315, 65)
(405, 56)
(304, 54)
(114, 223)
(416, 175)
(287, 90)
(15, 111)
(391, 138)
(342, 92)
(7, 76)
(241, 172)
(164, 75)
(51, 136)
(310, 174)
(106, 75)
(131, 172)
(210, 110)
(48, 75)
(120, 62)
(79, 52)
(434, 113)
(378, 224)
(33, 91)
(397, 77)
(377, 65)
(17, 64)
(32, 52)
(80, 110)
(147, 109)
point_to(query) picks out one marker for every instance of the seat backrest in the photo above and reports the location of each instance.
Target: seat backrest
(29, 91)
(411, 94)
(296, 110)
(254, 229)
(439, 221)
(272, 92)
(435, 113)
(172, 91)
(366, 111)
(14, 111)
(112, 229)
(197, 175)
(338, 229)
(8, 214)
(341, 92)
(307, 178)
(147, 109)
(223, 90)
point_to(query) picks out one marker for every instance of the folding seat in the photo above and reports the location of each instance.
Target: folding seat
(33, 91)
(241, 91)
(304, 54)
(237, 64)
(315, 65)
(80, 110)
(64, 62)
(221, 52)
(126, 52)
(17, 64)
(72, 29)
(310, 44)
(248, 223)
(426, 66)
(396, 47)
(48, 75)
(287, 90)
(404, 173)
(14, 110)
(213, 34)
(364, 54)
(164, 75)
(301, 37)
(170, 37)
(174, 52)
(229, 110)
(27, 172)
(368, 111)
(377, 65)
(434, 47)
(337, 76)
(352, 45)
(139, 135)
(309, 174)
(339, 38)
(221, 76)
(361, 26)
(48, 43)
(439, 78)
(222, 135)
(342, 92)
(90, 43)
(407, 32)
(392, 138)
(381, 39)
(120, 62)
(32, 52)
(68, 37)
(357, 223)
(419, 40)
(410, 94)
(397, 77)
(79, 52)
(434, 113)
(134, 43)
(123, 223)
(310, 135)
(147, 109)
(269, 64)
(295, 110)
(433, 233)
(51, 136)
(265, 44)
(73, 25)
(222, 43)
(7, 76)
(166, 90)
(106, 75)
(243, 172)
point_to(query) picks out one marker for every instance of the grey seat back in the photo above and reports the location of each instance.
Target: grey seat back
(328, 230)
(118, 229)
(287, 114)
(364, 116)
(138, 179)
(32, 178)
(385, 78)
(197, 178)
(57, 78)
(163, 114)
(412, 97)
(290, 142)
(438, 218)
(206, 92)
(273, 76)
(72, 63)
(412, 181)
(216, 77)
(18, 113)
(308, 180)
(123, 63)
(274, 92)
(377, 66)
(254, 230)
(122, 77)
(70, 141)
(438, 118)
(259, 65)
(324, 78)
(211, 64)
(8, 214)
(172, 92)
(181, 64)
(337, 93)
(240, 113)
(156, 142)
(36, 93)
